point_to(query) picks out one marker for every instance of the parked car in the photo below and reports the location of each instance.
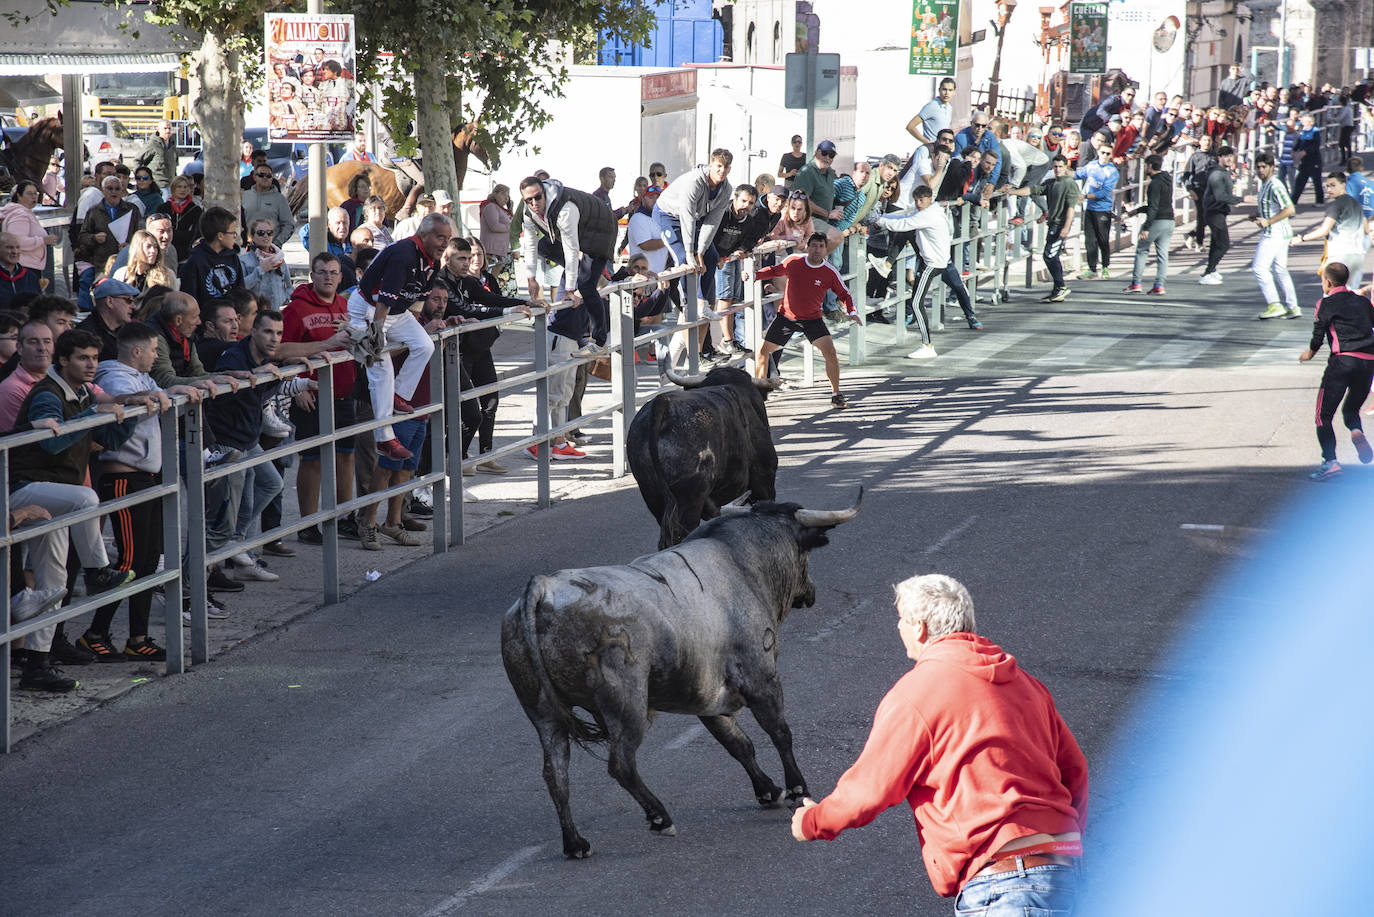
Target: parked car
(290, 162)
(108, 139)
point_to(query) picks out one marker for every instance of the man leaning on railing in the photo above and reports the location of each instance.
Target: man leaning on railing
(51, 473)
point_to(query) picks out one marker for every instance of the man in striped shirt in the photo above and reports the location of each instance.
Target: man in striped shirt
(1270, 264)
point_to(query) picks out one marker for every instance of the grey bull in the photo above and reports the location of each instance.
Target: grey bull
(693, 629)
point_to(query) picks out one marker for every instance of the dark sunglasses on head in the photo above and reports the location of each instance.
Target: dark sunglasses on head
(797, 196)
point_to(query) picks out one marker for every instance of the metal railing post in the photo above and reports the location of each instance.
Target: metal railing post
(196, 522)
(858, 265)
(541, 404)
(622, 342)
(691, 287)
(900, 292)
(753, 323)
(329, 480)
(438, 445)
(171, 545)
(451, 382)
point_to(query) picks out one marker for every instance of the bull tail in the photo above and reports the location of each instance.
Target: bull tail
(667, 522)
(584, 732)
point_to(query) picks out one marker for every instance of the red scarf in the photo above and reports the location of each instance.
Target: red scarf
(184, 342)
(181, 208)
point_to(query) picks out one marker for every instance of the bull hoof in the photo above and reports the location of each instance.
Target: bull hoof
(797, 793)
(578, 851)
(771, 799)
(670, 831)
(662, 826)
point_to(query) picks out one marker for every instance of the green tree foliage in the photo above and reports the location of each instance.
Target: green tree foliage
(491, 65)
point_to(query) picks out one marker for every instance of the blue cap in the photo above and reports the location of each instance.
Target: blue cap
(108, 287)
(825, 146)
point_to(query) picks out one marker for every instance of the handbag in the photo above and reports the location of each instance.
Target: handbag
(600, 368)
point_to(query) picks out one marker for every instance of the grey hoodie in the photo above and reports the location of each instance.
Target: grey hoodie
(143, 450)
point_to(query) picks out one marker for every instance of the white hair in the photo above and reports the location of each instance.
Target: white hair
(940, 601)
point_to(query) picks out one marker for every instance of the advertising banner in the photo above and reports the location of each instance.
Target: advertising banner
(934, 37)
(310, 67)
(1088, 38)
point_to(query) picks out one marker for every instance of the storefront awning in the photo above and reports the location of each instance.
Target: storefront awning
(24, 91)
(15, 64)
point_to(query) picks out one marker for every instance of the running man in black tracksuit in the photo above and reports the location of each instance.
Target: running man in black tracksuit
(1346, 320)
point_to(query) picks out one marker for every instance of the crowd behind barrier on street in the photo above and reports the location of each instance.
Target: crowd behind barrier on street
(991, 247)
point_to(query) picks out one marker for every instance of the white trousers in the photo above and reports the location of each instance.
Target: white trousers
(383, 380)
(1351, 258)
(48, 555)
(1270, 267)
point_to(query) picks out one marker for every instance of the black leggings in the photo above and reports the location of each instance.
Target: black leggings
(1344, 143)
(481, 370)
(1097, 238)
(1221, 240)
(1345, 378)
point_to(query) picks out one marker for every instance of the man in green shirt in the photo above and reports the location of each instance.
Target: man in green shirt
(816, 180)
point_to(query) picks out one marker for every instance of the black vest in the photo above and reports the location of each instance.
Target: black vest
(31, 463)
(596, 225)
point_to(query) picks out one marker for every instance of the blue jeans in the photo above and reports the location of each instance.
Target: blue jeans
(671, 227)
(1040, 890)
(83, 289)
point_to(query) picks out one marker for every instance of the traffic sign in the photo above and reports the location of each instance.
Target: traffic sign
(825, 81)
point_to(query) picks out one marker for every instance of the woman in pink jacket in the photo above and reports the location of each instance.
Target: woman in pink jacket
(17, 217)
(496, 217)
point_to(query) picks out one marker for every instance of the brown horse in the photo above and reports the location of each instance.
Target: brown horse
(27, 157)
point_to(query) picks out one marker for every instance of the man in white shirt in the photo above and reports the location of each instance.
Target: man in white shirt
(933, 237)
(644, 235)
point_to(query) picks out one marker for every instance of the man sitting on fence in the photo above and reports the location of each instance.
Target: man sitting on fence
(398, 278)
(51, 474)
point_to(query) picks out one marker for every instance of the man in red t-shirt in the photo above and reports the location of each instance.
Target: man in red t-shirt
(974, 745)
(316, 311)
(809, 278)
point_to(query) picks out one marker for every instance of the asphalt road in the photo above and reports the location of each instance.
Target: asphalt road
(370, 758)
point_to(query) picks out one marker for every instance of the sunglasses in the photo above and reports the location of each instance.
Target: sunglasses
(1056, 133)
(825, 155)
(262, 232)
(143, 178)
(262, 174)
(797, 196)
(657, 174)
(533, 197)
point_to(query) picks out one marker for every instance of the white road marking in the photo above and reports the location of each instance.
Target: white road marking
(1175, 353)
(1284, 349)
(688, 735)
(1202, 527)
(949, 536)
(1079, 350)
(486, 883)
(986, 347)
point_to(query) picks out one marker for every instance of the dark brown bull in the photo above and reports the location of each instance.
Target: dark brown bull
(693, 629)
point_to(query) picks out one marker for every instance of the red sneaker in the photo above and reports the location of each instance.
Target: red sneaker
(567, 451)
(401, 406)
(393, 449)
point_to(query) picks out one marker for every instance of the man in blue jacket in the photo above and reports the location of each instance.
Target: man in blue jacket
(977, 134)
(1098, 194)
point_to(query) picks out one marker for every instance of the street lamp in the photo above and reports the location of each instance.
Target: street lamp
(1004, 10)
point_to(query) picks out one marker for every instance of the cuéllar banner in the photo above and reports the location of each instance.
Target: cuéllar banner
(934, 37)
(1088, 38)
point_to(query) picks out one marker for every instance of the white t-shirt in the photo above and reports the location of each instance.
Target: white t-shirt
(644, 228)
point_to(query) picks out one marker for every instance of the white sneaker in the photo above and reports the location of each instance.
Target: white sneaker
(591, 350)
(924, 352)
(30, 603)
(708, 312)
(469, 496)
(242, 559)
(254, 573)
(273, 426)
(1211, 280)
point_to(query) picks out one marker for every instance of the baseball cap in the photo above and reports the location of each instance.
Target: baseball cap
(825, 146)
(442, 197)
(1115, 119)
(111, 287)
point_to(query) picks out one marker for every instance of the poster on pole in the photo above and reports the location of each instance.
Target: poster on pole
(934, 37)
(1088, 38)
(310, 65)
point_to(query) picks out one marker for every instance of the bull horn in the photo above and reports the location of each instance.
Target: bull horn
(736, 505)
(677, 378)
(827, 518)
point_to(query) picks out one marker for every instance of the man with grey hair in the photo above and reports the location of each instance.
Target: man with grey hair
(398, 278)
(159, 154)
(975, 746)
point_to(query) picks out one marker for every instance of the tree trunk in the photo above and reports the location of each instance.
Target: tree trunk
(219, 112)
(433, 127)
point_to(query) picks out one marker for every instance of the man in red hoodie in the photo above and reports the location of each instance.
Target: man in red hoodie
(315, 312)
(975, 746)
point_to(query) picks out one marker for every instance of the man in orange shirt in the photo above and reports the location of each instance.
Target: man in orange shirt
(975, 746)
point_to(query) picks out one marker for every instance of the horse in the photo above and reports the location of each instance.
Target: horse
(28, 157)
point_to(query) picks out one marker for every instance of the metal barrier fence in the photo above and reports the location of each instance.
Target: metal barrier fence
(1004, 245)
